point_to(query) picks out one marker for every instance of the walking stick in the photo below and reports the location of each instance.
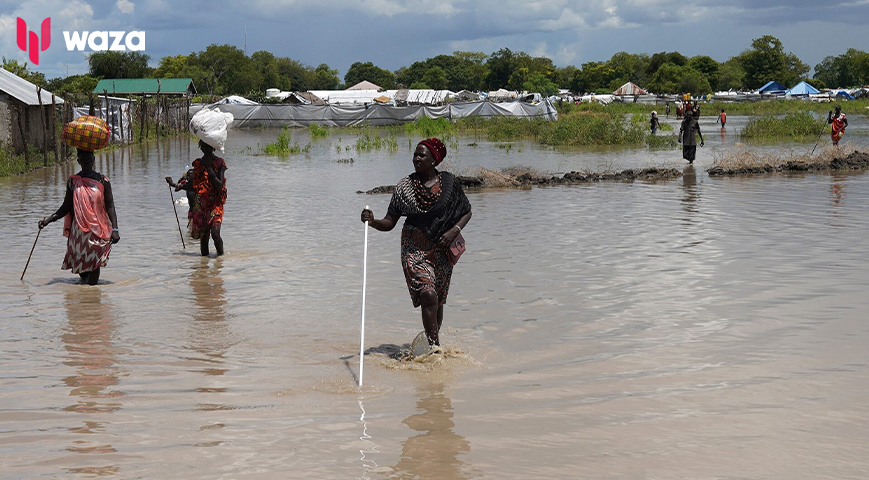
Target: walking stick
(176, 217)
(818, 140)
(31, 254)
(364, 280)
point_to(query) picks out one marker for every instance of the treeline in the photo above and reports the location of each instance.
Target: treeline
(226, 70)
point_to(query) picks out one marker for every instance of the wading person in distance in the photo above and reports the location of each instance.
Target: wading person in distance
(689, 127)
(209, 183)
(90, 223)
(839, 122)
(437, 210)
(722, 118)
(655, 124)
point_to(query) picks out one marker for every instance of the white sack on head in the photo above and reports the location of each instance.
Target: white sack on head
(209, 125)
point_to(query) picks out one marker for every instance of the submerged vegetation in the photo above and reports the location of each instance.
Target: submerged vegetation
(801, 125)
(528, 177)
(284, 145)
(741, 161)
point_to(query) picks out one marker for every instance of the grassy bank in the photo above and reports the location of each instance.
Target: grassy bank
(12, 164)
(793, 126)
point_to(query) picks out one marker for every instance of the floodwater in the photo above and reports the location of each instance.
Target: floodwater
(700, 328)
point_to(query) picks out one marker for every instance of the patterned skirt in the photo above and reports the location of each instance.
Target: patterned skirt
(426, 267)
(85, 252)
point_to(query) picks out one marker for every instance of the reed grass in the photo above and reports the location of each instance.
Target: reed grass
(802, 125)
(741, 158)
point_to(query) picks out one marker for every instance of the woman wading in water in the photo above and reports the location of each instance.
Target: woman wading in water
(437, 210)
(209, 183)
(90, 222)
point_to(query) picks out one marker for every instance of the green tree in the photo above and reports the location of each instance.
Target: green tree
(540, 83)
(266, 64)
(436, 78)
(324, 78)
(72, 84)
(565, 75)
(360, 71)
(850, 69)
(228, 70)
(21, 70)
(672, 78)
(766, 60)
(501, 66)
(660, 58)
(708, 67)
(730, 75)
(114, 64)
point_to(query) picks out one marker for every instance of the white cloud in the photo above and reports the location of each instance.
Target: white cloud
(126, 6)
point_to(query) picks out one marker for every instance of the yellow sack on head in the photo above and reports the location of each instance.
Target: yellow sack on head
(87, 133)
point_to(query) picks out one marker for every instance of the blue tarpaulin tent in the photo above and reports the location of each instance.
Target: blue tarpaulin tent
(772, 88)
(844, 94)
(803, 88)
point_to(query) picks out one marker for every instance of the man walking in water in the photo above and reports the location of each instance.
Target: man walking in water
(689, 126)
(839, 122)
(722, 118)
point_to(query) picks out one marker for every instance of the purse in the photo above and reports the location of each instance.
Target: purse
(456, 249)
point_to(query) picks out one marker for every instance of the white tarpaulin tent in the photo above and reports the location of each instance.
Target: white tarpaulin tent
(361, 97)
(254, 116)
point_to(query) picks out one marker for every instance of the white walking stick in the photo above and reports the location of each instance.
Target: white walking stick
(364, 280)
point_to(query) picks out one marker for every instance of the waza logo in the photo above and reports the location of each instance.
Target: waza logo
(37, 43)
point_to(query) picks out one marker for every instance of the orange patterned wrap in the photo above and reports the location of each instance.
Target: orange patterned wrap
(87, 133)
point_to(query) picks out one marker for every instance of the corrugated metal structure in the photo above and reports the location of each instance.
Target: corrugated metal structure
(20, 114)
(146, 86)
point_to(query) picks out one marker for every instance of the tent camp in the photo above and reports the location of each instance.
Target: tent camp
(802, 89)
(772, 88)
(630, 88)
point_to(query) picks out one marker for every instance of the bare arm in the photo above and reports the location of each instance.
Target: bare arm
(110, 209)
(451, 234)
(385, 224)
(61, 212)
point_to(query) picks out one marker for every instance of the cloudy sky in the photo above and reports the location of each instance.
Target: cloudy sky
(395, 33)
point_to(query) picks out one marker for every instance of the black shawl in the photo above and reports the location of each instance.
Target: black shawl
(451, 205)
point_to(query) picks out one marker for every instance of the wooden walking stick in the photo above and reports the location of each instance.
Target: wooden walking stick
(176, 217)
(31, 254)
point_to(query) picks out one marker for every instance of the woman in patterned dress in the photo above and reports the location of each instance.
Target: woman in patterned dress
(90, 222)
(209, 182)
(437, 210)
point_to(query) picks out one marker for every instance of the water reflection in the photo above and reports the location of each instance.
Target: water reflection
(691, 193)
(434, 453)
(88, 340)
(209, 332)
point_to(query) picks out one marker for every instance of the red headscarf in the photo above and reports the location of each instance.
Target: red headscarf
(436, 147)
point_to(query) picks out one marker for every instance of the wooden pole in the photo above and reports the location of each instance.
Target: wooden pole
(54, 127)
(31, 254)
(157, 111)
(21, 113)
(44, 127)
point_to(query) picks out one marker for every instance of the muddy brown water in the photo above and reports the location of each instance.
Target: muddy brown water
(697, 328)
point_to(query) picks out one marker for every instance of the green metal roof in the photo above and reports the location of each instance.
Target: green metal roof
(169, 86)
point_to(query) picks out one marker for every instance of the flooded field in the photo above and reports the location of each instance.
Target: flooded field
(690, 329)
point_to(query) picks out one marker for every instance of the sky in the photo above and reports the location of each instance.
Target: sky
(396, 33)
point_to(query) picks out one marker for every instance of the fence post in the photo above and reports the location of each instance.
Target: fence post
(54, 128)
(21, 113)
(44, 126)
